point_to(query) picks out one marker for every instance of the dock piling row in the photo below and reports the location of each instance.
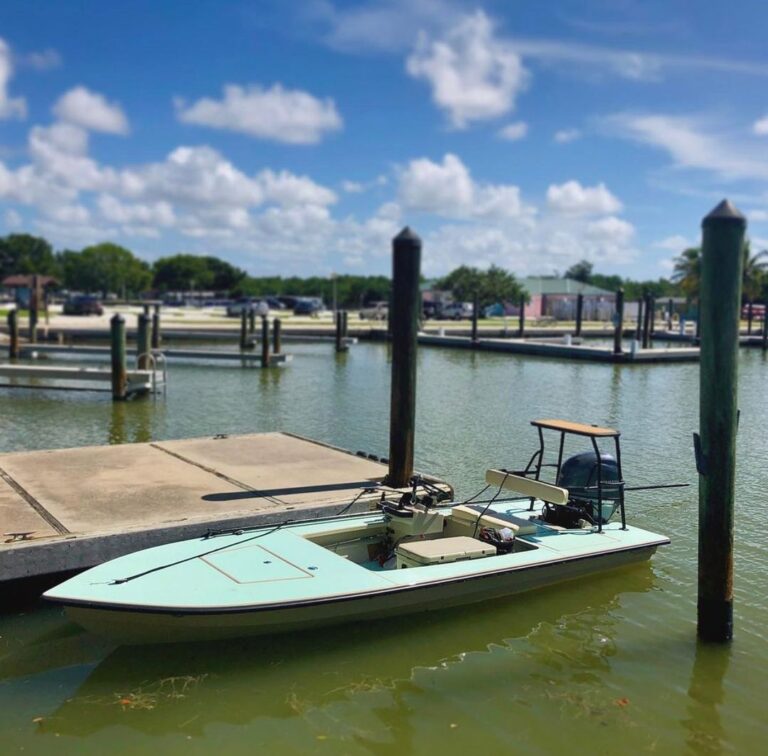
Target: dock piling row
(119, 366)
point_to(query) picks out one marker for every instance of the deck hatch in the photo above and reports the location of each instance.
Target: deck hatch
(254, 564)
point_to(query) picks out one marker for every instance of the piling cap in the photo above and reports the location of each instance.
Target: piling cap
(408, 236)
(725, 212)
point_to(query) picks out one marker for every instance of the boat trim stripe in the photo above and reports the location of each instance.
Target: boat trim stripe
(186, 611)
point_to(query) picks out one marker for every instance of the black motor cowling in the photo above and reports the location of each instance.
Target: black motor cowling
(579, 474)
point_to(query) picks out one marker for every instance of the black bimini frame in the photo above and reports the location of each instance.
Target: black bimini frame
(593, 432)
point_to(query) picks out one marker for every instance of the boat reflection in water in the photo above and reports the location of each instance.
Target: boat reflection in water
(186, 687)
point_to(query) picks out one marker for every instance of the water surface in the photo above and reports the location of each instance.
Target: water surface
(606, 665)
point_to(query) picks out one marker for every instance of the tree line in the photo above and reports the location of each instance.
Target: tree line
(109, 268)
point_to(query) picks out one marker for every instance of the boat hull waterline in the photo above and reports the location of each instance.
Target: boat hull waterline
(313, 574)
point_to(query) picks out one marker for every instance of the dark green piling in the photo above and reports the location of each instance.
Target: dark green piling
(13, 333)
(618, 322)
(639, 328)
(143, 343)
(521, 323)
(670, 312)
(119, 362)
(244, 329)
(749, 318)
(264, 341)
(276, 333)
(404, 317)
(579, 313)
(34, 309)
(156, 335)
(719, 314)
(339, 324)
(252, 320)
(647, 315)
(475, 316)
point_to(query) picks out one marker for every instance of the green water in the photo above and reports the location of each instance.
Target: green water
(604, 666)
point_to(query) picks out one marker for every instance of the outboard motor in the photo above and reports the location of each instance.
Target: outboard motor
(579, 475)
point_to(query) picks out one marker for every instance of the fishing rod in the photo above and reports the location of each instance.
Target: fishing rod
(655, 488)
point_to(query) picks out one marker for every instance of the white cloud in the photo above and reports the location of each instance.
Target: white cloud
(447, 189)
(675, 243)
(760, 127)
(474, 76)
(611, 230)
(42, 60)
(287, 189)
(693, 145)
(514, 131)
(283, 115)
(10, 107)
(758, 216)
(564, 136)
(12, 219)
(573, 198)
(154, 214)
(91, 111)
(352, 187)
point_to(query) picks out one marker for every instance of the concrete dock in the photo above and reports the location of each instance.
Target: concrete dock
(69, 509)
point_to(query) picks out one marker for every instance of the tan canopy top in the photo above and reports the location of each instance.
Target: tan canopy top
(580, 429)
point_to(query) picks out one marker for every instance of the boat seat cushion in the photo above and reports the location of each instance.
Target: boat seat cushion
(436, 550)
(469, 516)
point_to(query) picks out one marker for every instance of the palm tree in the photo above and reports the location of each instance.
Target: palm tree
(755, 270)
(687, 271)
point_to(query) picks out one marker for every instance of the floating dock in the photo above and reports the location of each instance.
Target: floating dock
(571, 351)
(189, 355)
(65, 510)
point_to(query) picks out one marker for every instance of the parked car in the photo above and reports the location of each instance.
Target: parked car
(308, 306)
(82, 304)
(456, 311)
(375, 311)
(247, 304)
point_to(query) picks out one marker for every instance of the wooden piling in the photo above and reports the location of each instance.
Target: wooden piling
(579, 313)
(639, 328)
(652, 329)
(521, 324)
(264, 341)
(670, 312)
(276, 332)
(339, 324)
(118, 353)
(475, 316)
(749, 318)
(156, 335)
(618, 322)
(647, 314)
(404, 317)
(243, 329)
(719, 313)
(13, 334)
(252, 320)
(34, 305)
(143, 343)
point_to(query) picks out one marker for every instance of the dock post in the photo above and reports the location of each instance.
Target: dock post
(652, 330)
(252, 320)
(618, 318)
(749, 318)
(156, 336)
(720, 313)
(276, 328)
(34, 304)
(639, 328)
(13, 334)
(119, 367)
(764, 333)
(264, 341)
(670, 312)
(146, 310)
(243, 329)
(475, 315)
(339, 321)
(646, 340)
(579, 313)
(404, 317)
(143, 344)
(521, 326)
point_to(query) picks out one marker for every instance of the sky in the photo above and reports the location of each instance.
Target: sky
(298, 138)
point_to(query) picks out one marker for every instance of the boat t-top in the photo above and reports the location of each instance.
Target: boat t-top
(415, 552)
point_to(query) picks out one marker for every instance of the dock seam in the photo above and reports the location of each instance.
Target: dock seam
(34, 503)
(218, 474)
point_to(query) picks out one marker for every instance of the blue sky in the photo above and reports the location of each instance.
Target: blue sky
(299, 137)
